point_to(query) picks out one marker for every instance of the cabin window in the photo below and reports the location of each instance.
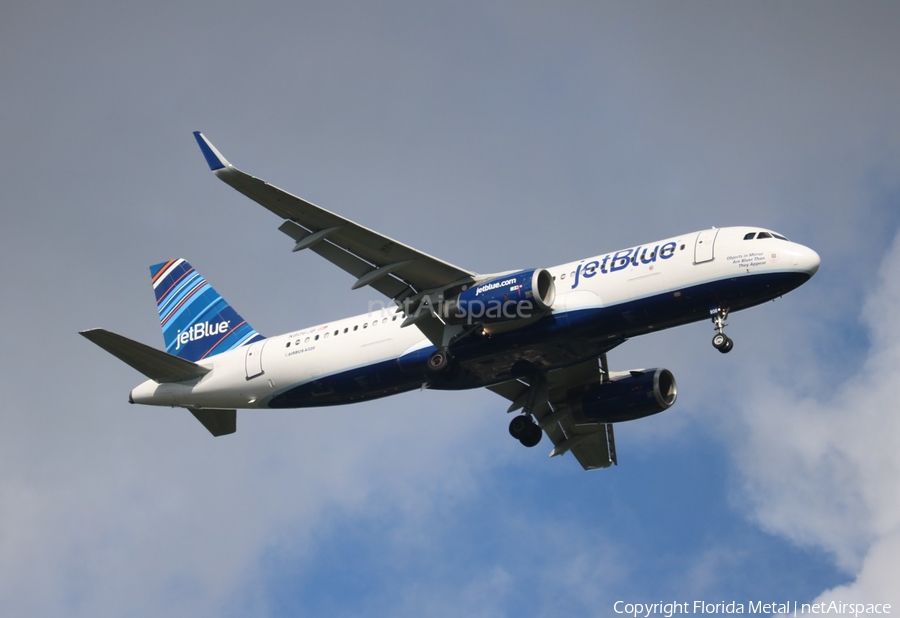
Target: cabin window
(317, 338)
(356, 327)
(562, 276)
(345, 330)
(394, 319)
(374, 323)
(763, 235)
(749, 236)
(365, 325)
(288, 344)
(336, 332)
(384, 321)
(306, 340)
(682, 247)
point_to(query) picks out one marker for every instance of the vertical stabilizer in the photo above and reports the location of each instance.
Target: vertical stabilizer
(196, 321)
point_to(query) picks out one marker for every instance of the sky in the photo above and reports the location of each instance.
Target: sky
(494, 135)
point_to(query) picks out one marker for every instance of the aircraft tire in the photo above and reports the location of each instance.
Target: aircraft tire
(727, 346)
(533, 437)
(519, 426)
(719, 341)
(439, 361)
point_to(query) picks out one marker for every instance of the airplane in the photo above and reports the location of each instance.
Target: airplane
(538, 337)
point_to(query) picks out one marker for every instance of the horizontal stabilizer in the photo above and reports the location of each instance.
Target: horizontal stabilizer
(219, 422)
(155, 364)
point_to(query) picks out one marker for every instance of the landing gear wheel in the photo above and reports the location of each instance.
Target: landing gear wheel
(526, 431)
(519, 426)
(533, 436)
(723, 343)
(439, 361)
(729, 344)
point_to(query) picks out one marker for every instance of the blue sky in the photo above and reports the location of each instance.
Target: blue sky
(494, 135)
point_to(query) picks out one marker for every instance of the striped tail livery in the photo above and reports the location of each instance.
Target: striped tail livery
(196, 321)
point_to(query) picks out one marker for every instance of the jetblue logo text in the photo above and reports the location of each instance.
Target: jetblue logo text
(620, 260)
(199, 331)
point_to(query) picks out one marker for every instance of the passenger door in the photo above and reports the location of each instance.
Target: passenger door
(253, 360)
(704, 246)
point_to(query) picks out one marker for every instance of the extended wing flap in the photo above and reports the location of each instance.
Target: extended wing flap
(597, 449)
(544, 396)
(512, 390)
(155, 364)
(345, 260)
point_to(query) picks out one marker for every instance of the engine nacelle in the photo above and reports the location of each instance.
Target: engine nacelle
(638, 394)
(515, 296)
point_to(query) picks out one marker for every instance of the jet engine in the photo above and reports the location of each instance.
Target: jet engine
(632, 395)
(510, 297)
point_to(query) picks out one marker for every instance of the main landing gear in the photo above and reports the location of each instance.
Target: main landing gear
(525, 430)
(720, 340)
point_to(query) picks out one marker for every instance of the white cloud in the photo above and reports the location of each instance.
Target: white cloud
(167, 520)
(876, 581)
(824, 469)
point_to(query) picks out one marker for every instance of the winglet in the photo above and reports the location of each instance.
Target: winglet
(214, 158)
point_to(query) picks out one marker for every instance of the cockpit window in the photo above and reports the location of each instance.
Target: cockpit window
(761, 235)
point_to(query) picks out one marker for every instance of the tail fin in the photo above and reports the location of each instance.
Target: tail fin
(196, 321)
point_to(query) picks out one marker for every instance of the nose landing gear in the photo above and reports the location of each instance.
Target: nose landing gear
(722, 343)
(720, 340)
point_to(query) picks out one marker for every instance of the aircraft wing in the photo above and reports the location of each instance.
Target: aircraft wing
(593, 444)
(394, 269)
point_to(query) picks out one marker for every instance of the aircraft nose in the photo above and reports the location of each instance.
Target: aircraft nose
(807, 260)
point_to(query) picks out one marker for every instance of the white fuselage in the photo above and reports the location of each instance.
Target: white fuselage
(603, 298)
